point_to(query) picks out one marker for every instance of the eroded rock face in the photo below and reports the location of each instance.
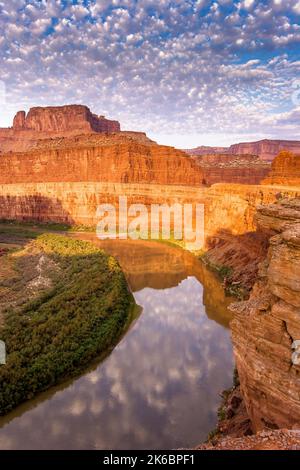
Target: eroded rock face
(225, 168)
(282, 439)
(51, 122)
(63, 118)
(113, 158)
(265, 149)
(19, 122)
(285, 169)
(265, 327)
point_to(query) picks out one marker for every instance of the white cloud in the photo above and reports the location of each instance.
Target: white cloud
(178, 68)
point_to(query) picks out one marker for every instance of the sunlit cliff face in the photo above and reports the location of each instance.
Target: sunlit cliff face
(213, 72)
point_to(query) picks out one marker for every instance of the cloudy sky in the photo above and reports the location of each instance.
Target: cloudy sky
(188, 72)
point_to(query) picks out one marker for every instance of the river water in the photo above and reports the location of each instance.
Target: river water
(160, 387)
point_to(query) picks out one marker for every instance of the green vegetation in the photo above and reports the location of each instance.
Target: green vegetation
(14, 226)
(225, 273)
(61, 331)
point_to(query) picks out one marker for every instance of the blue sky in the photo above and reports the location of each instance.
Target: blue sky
(188, 72)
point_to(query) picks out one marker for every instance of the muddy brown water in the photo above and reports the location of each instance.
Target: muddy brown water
(160, 387)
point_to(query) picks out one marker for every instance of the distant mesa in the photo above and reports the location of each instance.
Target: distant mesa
(227, 168)
(266, 149)
(63, 118)
(206, 150)
(52, 122)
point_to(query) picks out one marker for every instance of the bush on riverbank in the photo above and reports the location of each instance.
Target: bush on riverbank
(57, 334)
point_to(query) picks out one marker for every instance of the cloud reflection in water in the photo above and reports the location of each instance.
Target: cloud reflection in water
(159, 388)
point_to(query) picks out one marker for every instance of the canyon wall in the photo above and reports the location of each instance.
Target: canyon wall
(265, 149)
(285, 170)
(77, 202)
(224, 168)
(265, 327)
(117, 159)
(232, 241)
(229, 209)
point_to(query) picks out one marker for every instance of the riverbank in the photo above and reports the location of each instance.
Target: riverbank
(63, 303)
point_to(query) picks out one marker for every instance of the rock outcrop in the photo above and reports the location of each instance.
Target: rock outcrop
(224, 168)
(285, 170)
(63, 119)
(265, 327)
(233, 243)
(283, 439)
(265, 149)
(19, 122)
(50, 122)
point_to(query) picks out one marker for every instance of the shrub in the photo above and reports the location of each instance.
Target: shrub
(56, 335)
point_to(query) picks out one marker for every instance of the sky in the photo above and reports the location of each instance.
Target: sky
(187, 72)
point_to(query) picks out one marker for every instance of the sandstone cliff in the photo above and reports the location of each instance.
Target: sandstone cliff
(63, 118)
(233, 243)
(265, 327)
(224, 168)
(115, 158)
(282, 439)
(285, 170)
(55, 121)
(265, 149)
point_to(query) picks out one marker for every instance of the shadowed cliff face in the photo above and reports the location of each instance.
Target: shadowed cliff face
(33, 207)
(265, 327)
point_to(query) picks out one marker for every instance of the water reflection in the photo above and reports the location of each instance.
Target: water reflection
(159, 387)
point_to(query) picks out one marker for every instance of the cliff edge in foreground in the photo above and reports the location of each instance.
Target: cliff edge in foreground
(266, 328)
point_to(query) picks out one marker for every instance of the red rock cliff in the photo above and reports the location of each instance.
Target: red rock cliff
(224, 168)
(265, 149)
(52, 122)
(63, 119)
(285, 170)
(115, 158)
(265, 327)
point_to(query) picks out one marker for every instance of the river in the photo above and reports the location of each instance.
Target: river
(160, 386)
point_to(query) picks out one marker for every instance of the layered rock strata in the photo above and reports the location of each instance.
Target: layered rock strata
(115, 159)
(224, 168)
(265, 149)
(285, 170)
(63, 119)
(265, 327)
(53, 121)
